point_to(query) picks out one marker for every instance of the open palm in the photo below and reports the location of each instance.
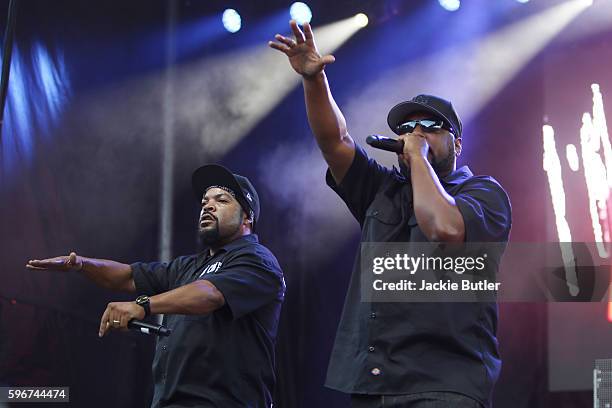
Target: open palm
(60, 263)
(302, 52)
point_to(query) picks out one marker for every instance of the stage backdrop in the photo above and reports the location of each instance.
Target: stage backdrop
(112, 105)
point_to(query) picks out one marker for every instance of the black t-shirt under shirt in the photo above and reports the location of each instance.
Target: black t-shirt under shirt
(403, 348)
(224, 358)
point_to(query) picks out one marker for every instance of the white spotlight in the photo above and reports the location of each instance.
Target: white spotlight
(361, 20)
(450, 5)
(300, 12)
(523, 1)
(572, 157)
(231, 20)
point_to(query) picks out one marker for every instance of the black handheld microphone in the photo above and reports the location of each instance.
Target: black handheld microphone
(148, 328)
(385, 143)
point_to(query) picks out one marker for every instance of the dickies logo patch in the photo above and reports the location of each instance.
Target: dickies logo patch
(212, 268)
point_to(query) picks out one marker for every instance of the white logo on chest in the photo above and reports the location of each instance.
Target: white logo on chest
(212, 268)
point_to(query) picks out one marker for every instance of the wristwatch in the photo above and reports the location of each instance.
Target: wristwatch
(145, 302)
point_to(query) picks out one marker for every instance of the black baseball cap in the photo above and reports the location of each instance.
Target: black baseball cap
(211, 175)
(425, 103)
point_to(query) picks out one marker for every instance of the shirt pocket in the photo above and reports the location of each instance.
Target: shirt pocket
(385, 216)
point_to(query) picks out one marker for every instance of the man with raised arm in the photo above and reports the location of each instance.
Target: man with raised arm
(400, 354)
(222, 304)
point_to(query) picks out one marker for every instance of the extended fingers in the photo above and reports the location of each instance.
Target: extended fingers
(44, 263)
(308, 31)
(31, 265)
(299, 35)
(289, 42)
(280, 47)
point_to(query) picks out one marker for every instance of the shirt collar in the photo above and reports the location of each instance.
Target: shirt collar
(235, 244)
(457, 177)
(240, 242)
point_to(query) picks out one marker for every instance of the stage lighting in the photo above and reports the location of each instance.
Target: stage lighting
(361, 20)
(231, 20)
(300, 12)
(450, 5)
(523, 1)
(572, 157)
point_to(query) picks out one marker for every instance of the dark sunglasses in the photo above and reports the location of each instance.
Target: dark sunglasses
(428, 125)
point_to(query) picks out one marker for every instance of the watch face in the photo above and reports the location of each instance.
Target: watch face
(142, 299)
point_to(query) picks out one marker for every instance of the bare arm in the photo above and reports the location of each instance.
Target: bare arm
(328, 125)
(324, 116)
(198, 297)
(105, 273)
(436, 212)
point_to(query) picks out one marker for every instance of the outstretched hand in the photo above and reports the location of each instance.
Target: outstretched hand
(302, 52)
(71, 262)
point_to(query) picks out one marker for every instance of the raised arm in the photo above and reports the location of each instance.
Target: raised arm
(324, 116)
(105, 273)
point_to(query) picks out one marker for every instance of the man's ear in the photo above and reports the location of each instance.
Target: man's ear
(248, 217)
(458, 146)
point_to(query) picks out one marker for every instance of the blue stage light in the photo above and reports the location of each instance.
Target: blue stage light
(450, 5)
(231, 20)
(523, 1)
(300, 12)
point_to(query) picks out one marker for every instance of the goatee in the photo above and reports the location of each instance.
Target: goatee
(209, 236)
(445, 164)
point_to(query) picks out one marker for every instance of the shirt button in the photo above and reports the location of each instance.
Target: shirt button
(371, 349)
(375, 212)
(164, 347)
(373, 315)
(375, 371)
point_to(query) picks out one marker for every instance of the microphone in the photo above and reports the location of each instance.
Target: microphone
(385, 143)
(148, 328)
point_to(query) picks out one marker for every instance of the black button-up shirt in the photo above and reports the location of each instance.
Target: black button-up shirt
(403, 348)
(224, 358)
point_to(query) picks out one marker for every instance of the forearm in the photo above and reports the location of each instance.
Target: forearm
(435, 210)
(109, 274)
(324, 116)
(198, 297)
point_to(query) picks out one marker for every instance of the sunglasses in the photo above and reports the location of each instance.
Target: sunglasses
(428, 125)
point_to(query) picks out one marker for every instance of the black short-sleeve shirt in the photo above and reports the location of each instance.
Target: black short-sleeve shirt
(224, 358)
(404, 348)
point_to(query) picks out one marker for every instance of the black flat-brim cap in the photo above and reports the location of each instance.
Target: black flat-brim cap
(216, 175)
(425, 103)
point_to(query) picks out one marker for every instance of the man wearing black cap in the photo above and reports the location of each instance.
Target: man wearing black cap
(399, 354)
(222, 304)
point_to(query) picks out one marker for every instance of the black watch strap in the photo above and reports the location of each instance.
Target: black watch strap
(145, 302)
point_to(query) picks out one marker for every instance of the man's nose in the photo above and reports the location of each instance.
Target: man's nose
(418, 129)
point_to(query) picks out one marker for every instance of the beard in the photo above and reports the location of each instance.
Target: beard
(444, 165)
(209, 235)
